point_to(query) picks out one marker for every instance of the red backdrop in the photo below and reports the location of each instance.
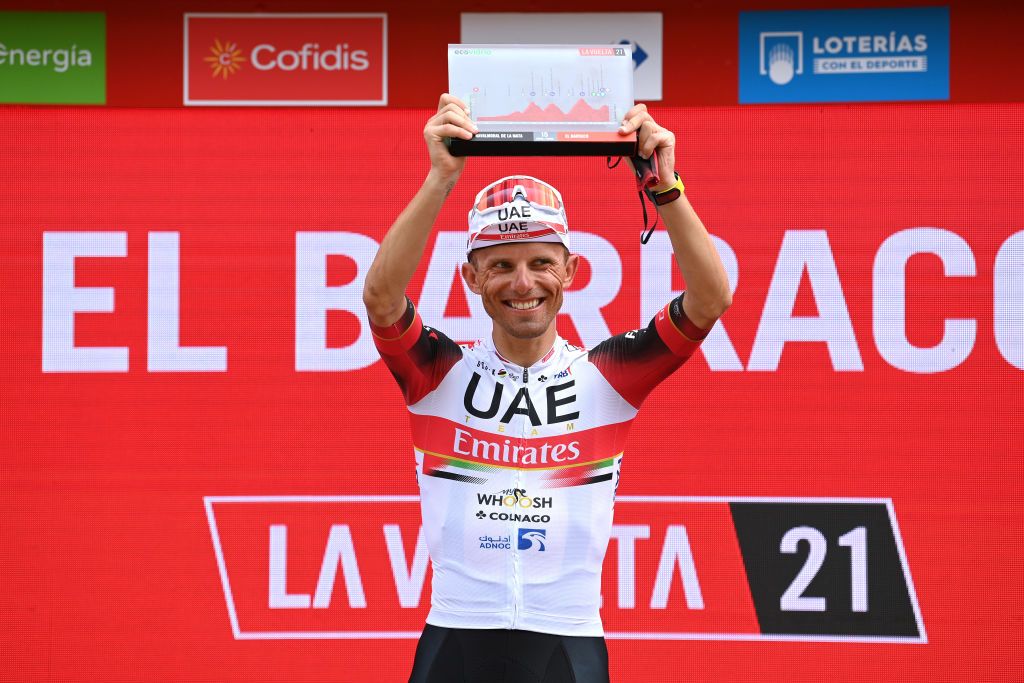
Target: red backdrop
(110, 571)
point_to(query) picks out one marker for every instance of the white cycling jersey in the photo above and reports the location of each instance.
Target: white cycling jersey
(517, 467)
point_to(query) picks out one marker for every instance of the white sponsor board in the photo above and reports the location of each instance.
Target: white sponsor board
(641, 30)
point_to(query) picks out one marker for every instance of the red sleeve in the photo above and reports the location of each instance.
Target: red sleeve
(418, 356)
(636, 362)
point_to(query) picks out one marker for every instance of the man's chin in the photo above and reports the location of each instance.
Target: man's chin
(526, 334)
(526, 330)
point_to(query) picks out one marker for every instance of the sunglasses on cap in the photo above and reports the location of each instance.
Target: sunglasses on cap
(503, 191)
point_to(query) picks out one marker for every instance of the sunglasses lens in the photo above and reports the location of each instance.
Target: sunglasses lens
(506, 190)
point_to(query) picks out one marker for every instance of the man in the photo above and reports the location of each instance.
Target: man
(518, 438)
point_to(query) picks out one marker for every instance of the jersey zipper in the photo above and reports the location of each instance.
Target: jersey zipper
(517, 576)
(517, 590)
(517, 569)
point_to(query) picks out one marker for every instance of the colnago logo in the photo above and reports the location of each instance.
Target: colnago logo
(514, 517)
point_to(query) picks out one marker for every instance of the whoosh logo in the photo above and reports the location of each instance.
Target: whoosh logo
(513, 498)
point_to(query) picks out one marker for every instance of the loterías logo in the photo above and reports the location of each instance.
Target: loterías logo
(225, 60)
(285, 59)
(782, 55)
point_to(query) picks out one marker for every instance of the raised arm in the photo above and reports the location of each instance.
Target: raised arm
(403, 245)
(707, 286)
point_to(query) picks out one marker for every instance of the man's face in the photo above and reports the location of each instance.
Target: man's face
(521, 285)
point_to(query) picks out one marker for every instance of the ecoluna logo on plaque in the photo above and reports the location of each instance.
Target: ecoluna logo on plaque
(844, 55)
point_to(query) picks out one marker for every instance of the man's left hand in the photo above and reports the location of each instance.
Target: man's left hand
(652, 139)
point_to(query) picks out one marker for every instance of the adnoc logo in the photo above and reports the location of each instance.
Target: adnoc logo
(532, 539)
(225, 60)
(285, 59)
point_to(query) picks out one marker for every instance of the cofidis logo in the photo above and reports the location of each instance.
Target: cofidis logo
(285, 59)
(844, 55)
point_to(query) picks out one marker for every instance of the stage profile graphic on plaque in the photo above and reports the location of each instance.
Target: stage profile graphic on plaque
(543, 99)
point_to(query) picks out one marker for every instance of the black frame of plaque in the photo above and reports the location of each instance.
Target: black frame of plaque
(522, 144)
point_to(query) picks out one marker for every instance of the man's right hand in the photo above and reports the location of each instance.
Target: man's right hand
(402, 248)
(451, 121)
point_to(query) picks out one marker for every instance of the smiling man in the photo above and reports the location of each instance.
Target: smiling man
(518, 438)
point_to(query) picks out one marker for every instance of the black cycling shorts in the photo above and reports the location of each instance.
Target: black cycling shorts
(465, 655)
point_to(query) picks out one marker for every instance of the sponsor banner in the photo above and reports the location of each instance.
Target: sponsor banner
(639, 30)
(686, 568)
(285, 59)
(844, 55)
(53, 57)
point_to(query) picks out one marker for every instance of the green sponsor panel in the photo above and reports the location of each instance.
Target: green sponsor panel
(53, 57)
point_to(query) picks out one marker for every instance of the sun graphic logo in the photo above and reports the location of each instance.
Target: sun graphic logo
(226, 59)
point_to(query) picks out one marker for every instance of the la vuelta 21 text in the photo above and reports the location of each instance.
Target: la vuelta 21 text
(801, 251)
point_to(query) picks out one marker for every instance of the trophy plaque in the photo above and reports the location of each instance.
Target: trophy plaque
(543, 100)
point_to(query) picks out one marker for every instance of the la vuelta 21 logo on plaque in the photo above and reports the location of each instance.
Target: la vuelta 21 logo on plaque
(285, 59)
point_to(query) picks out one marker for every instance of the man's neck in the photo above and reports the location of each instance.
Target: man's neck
(523, 352)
